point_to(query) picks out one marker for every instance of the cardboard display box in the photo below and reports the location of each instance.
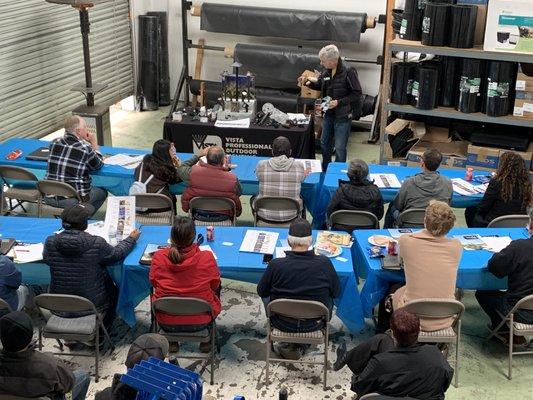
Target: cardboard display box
(396, 126)
(527, 155)
(523, 104)
(305, 91)
(483, 158)
(509, 26)
(453, 153)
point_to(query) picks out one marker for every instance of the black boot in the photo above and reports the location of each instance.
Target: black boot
(341, 356)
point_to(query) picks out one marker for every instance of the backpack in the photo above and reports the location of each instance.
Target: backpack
(139, 187)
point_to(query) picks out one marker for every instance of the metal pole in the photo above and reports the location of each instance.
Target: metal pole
(85, 30)
(185, 6)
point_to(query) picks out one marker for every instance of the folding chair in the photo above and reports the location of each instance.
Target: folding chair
(154, 201)
(509, 221)
(353, 219)
(84, 328)
(216, 205)
(183, 306)
(412, 218)
(275, 203)
(297, 309)
(377, 396)
(21, 186)
(515, 328)
(4, 307)
(49, 188)
(11, 397)
(440, 308)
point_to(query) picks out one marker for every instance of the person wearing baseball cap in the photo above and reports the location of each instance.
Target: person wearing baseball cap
(26, 372)
(78, 261)
(144, 347)
(300, 275)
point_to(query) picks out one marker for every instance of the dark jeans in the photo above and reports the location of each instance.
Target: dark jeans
(292, 325)
(81, 384)
(359, 356)
(473, 219)
(492, 301)
(97, 196)
(335, 133)
(184, 328)
(390, 217)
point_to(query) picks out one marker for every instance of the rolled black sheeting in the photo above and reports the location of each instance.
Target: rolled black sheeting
(403, 74)
(411, 24)
(501, 77)
(164, 76)
(435, 24)
(427, 92)
(463, 26)
(450, 70)
(149, 62)
(276, 66)
(470, 85)
(279, 22)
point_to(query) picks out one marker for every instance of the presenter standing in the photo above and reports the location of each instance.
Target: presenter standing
(342, 85)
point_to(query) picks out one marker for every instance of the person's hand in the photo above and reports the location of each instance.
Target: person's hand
(135, 234)
(91, 138)
(302, 79)
(203, 152)
(333, 104)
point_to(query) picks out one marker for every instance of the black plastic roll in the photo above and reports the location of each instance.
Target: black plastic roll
(435, 24)
(463, 26)
(470, 85)
(501, 76)
(428, 87)
(411, 24)
(164, 76)
(403, 74)
(280, 22)
(450, 69)
(149, 62)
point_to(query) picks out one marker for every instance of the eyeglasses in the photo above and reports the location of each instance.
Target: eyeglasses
(199, 239)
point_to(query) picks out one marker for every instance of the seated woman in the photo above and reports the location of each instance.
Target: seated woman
(509, 192)
(165, 168)
(184, 270)
(430, 262)
(356, 194)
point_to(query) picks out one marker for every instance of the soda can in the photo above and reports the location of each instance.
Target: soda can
(210, 233)
(391, 248)
(469, 174)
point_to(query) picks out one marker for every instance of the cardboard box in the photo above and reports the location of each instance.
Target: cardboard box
(509, 26)
(306, 91)
(481, 18)
(453, 153)
(527, 155)
(523, 104)
(396, 126)
(483, 158)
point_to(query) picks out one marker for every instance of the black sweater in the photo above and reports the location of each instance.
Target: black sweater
(516, 263)
(493, 206)
(362, 197)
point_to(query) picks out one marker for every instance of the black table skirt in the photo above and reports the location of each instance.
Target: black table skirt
(190, 136)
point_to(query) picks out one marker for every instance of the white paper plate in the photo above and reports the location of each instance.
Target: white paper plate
(380, 240)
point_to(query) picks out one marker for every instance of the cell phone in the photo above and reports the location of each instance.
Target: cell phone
(267, 258)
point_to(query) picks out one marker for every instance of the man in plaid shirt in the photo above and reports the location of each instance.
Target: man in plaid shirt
(280, 176)
(71, 159)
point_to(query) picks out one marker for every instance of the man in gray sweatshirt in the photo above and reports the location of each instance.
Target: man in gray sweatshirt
(418, 190)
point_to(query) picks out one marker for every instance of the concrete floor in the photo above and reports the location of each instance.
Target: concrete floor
(242, 322)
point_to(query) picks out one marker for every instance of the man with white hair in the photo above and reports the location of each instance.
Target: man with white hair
(516, 263)
(300, 275)
(70, 160)
(342, 85)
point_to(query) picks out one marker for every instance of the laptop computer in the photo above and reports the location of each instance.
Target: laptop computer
(41, 154)
(6, 245)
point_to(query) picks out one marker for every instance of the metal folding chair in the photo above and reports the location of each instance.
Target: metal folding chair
(353, 219)
(509, 221)
(154, 201)
(412, 218)
(215, 205)
(49, 188)
(275, 203)
(21, 186)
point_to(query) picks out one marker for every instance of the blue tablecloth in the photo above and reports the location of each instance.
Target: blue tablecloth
(337, 171)
(472, 272)
(117, 180)
(247, 267)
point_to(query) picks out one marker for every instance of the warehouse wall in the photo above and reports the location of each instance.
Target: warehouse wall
(214, 62)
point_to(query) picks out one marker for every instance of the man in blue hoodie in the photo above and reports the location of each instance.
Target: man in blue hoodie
(417, 191)
(11, 290)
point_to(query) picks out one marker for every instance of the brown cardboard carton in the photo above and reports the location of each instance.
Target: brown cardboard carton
(453, 153)
(526, 155)
(483, 158)
(396, 127)
(305, 91)
(523, 104)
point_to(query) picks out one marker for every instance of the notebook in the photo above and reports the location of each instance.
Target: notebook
(6, 245)
(41, 154)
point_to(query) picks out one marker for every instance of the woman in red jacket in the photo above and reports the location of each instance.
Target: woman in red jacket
(184, 270)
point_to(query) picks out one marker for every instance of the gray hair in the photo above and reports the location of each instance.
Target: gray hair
(329, 52)
(357, 170)
(215, 156)
(299, 241)
(72, 123)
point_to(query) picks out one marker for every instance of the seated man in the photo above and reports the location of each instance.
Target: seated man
(71, 158)
(11, 289)
(301, 275)
(213, 179)
(397, 366)
(26, 372)
(516, 263)
(280, 176)
(418, 190)
(78, 261)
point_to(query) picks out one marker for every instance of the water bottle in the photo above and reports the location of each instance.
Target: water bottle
(283, 394)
